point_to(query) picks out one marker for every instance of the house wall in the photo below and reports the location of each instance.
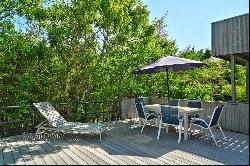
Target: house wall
(231, 36)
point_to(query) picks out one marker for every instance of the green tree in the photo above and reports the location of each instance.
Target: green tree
(69, 53)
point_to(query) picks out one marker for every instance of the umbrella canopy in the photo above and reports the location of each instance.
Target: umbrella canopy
(169, 64)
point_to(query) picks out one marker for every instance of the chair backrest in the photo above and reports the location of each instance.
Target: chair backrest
(216, 116)
(50, 113)
(140, 110)
(139, 100)
(174, 102)
(169, 110)
(170, 115)
(194, 104)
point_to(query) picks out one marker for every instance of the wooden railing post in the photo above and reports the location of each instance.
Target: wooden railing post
(103, 116)
(86, 111)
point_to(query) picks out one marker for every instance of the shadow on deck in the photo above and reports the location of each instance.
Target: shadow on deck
(123, 145)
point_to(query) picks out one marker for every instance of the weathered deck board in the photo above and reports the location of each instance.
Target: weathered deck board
(124, 146)
(134, 150)
(88, 159)
(87, 153)
(1, 156)
(37, 152)
(174, 156)
(46, 158)
(24, 150)
(207, 150)
(54, 156)
(69, 152)
(116, 151)
(171, 152)
(61, 153)
(138, 151)
(17, 156)
(7, 154)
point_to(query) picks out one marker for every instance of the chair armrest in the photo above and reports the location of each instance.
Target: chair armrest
(198, 119)
(151, 114)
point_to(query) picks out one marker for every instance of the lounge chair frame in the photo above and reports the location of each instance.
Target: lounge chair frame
(56, 122)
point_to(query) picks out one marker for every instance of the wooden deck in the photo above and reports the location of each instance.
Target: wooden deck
(125, 146)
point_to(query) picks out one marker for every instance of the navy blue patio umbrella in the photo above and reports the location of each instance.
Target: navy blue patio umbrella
(169, 64)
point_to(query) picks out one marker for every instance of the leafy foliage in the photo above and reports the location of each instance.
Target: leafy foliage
(86, 50)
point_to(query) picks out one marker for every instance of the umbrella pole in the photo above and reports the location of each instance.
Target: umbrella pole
(167, 84)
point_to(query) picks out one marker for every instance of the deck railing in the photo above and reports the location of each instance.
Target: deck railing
(16, 120)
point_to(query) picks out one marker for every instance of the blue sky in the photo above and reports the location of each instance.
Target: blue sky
(189, 21)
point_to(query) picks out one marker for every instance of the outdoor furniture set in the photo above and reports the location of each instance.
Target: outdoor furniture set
(183, 118)
(171, 114)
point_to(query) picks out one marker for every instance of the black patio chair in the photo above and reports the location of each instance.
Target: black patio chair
(194, 104)
(170, 117)
(174, 102)
(145, 117)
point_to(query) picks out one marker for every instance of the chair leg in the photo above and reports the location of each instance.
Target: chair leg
(166, 128)
(39, 127)
(144, 123)
(37, 132)
(213, 136)
(180, 128)
(190, 130)
(135, 117)
(157, 122)
(224, 137)
(159, 131)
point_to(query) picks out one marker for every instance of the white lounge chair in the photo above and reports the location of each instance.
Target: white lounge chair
(58, 123)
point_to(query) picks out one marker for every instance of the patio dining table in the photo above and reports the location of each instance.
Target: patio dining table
(183, 111)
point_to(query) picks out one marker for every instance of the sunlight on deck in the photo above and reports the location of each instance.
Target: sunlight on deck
(123, 145)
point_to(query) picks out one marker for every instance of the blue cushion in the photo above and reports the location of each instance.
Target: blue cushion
(200, 123)
(140, 110)
(216, 115)
(139, 100)
(173, 102)
(169, 110)
(170, 119)
(194, 104)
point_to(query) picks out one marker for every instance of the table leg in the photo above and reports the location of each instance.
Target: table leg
(157, 122)
(185, 126)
